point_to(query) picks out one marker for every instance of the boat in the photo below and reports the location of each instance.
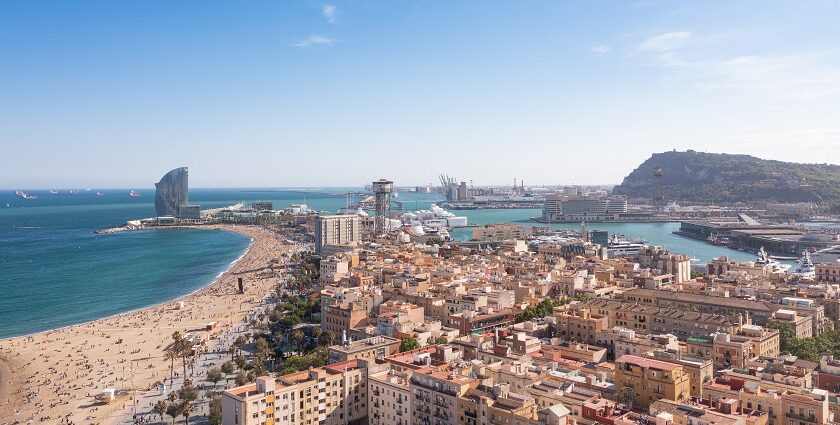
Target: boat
(99, 194)
(19, 192)
(765, 260)
(805, 268)
(29, 196)
(73, 192)
(134, 194)
(53, 192)
(433, 218)
(618, 247)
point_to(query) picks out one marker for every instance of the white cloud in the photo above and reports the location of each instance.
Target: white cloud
(329, 10)
(702, 64)
(315, 40)
(601, 49)
(664, 42)
(798, 76)
(811, 138)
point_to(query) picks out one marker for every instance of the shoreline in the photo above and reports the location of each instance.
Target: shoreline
(150, 306)
(51, 375)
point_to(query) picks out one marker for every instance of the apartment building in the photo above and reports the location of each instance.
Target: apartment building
(651, 319)
(497, 405)
(370, 349)
(331, 395)
(389, 397)
(828, 272)
(341, 231)
(469, 322)
(435, 396)
(642, 381)
(580, 325)
(500, 232)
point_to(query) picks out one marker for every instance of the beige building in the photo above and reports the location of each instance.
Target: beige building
(497, 405)
(331, 395)
(436, 396)
(500, 232)
(336, 231)
(828, 272)
(642, 381)
(332, 269)
(389, 397)
(370, 349)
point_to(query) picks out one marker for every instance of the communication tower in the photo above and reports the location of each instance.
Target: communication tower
(382, 190)
(658, 199)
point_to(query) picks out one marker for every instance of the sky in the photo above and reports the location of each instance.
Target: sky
(288, 94)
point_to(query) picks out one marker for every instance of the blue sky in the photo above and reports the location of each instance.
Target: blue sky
(266, 93)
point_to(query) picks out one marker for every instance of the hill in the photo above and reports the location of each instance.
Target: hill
(722, 178)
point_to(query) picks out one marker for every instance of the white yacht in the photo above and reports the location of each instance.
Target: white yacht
(435, 217)
(805, 268)
(765, 260)
(618, 247)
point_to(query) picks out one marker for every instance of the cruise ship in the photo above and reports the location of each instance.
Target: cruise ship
(765, 260)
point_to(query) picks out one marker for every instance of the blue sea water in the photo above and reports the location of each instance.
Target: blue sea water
(54, 271)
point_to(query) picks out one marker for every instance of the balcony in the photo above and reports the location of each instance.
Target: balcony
(441, 415)
(473, 415)
(439, 401)
(797, 416)
(376, 393)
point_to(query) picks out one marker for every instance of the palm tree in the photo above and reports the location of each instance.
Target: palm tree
(239, 342)
(187, 409)
(325, 338)
(171, 355)
(232, 351)
(160, 409)
(298, 338)
(174, 410)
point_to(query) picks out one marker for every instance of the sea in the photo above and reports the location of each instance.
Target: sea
(55, 271)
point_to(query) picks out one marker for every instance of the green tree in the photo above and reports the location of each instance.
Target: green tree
(298, 338)
(326, 338)
(228, 369)
(215, 407)
(188, 392)
(241, 378)
(441, 340)
(214, 375)
(408, 344)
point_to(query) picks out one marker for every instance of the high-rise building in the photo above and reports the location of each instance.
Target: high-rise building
(172, 193)
(336, 231)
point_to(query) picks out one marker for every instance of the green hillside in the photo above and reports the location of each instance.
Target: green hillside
(722, 178)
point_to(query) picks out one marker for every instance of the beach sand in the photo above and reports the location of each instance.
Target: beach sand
(53, 376)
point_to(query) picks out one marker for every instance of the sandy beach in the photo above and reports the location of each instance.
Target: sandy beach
(53, 376)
